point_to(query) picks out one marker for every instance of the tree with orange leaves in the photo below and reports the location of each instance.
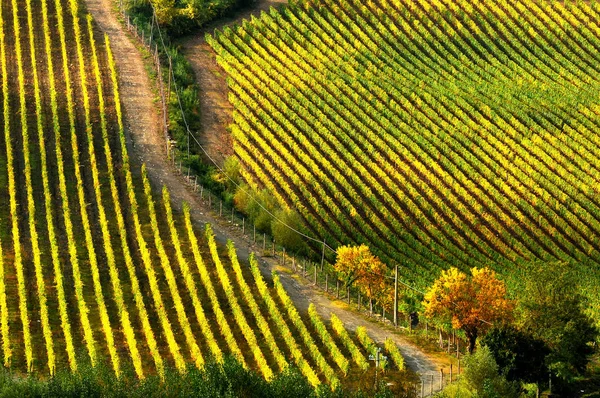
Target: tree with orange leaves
(471, 303)
(357, 265)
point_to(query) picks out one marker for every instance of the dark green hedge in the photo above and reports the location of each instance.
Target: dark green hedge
(219, 381)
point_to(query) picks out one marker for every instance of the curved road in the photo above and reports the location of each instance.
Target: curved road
(142, 122)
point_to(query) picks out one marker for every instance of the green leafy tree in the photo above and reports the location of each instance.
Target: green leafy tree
(285, 235)
(551, 308)
(519, 355)
(481, 378)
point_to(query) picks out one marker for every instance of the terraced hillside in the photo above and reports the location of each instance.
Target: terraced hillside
(94, 266)
(441, 133)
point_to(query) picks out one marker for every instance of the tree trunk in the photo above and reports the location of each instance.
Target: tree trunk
(472, 337)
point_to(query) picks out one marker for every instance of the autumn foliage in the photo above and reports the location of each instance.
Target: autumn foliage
(470, 303)
(356, 265)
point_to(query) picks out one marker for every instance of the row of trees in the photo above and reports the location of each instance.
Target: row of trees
(538, 330)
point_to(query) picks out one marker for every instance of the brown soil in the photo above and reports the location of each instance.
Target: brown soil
(148, 146)
(215, 109)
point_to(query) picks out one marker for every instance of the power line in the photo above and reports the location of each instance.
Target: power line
(238, 186)
(172, 75)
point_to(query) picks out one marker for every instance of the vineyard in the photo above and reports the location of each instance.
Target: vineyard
(440, 133)
(95, 267)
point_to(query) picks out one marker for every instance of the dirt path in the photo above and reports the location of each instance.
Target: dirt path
(147, 145)
(215, 109)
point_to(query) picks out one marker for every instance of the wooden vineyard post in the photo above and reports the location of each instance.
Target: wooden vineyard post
(264, 241)
(431, 386)
(169, 82)
(221, 208)
(273, 247)
(457, 351)
(348, 291)
(337, 288)
(283, 257)
(450, 373)
(326, 283)
(315, 277)
(243, 225)
(254, 234)
(232, 210)
(441, 378)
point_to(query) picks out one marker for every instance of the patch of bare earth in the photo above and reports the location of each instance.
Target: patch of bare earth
(215, 109)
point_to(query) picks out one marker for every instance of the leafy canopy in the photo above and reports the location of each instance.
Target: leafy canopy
(551, 308)
(519, 355)
(470, 303)
(357, 265)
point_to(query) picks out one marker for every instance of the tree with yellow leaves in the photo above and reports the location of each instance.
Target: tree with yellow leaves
(357, 265)
(471, 303)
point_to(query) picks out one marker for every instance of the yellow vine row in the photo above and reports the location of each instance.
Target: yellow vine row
(339, 328)
(6, 349)
(394, 352)
(146, 328)
(186, 272)
(88, 333)
(337, 355)
(54, 250)
(284, 329)
(39, 273)
(261, 322)
(305, 334)
(143, 248)
(237, 311)
(170, 276)
(110, 341)
(13, 202)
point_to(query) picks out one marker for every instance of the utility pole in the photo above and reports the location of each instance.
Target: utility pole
(396, 297)
(323, 255)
